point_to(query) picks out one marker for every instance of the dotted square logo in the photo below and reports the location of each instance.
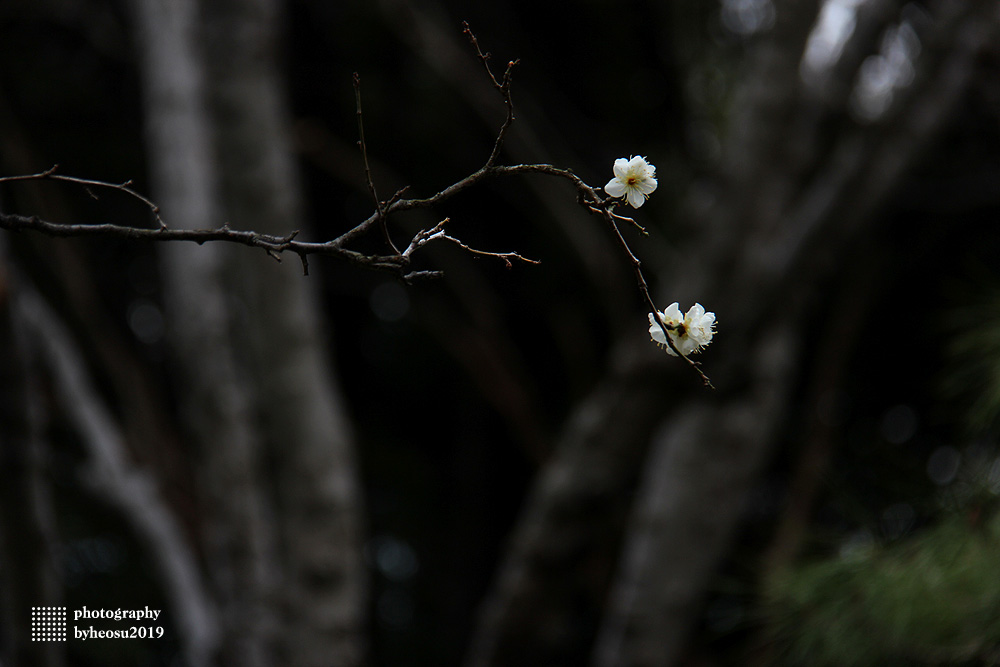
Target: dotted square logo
(48, 624)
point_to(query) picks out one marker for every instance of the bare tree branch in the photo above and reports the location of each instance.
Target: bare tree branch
(126, 187)
(397, 263)
(437, 233)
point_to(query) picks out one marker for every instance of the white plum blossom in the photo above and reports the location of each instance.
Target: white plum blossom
(635, 179)
(689, 333)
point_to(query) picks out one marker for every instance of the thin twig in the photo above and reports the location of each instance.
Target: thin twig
(588, 196)
(379, 207)
(423, 236)
(437, 232)
(51, 175)
(398, 262)
(625, 218)
(503, 86)
(505, 256)
(644, 288)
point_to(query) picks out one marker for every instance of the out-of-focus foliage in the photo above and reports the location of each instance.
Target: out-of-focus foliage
(932, 599)
(921, 595)
(973, 376)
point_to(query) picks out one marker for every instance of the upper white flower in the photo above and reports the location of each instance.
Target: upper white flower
(689, 333)
(635, 179)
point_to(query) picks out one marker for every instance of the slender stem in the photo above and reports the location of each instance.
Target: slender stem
(503, 86)
(380, 212)
(51, 175)
(397, 262)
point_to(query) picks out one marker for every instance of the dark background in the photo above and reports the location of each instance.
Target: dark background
(459, 387)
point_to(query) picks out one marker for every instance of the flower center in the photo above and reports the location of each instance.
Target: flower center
(681, 329)
(632, 180)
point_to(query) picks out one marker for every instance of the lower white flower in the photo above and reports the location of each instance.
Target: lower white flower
(689, 333)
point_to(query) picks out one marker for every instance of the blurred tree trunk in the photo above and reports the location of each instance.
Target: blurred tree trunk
(303, 421)
(239, 540)
(801, 184)
(29, 577)
(111, 474)
(282, 500)
(804, 221)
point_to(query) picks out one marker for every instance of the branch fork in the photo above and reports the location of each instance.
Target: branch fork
(398, 262)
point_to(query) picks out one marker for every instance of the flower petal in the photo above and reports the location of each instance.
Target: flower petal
(656, 333)
(646, 185)
(672, 314)
(615, 188)
(688, 346)
(621, 168)
(636, 198)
